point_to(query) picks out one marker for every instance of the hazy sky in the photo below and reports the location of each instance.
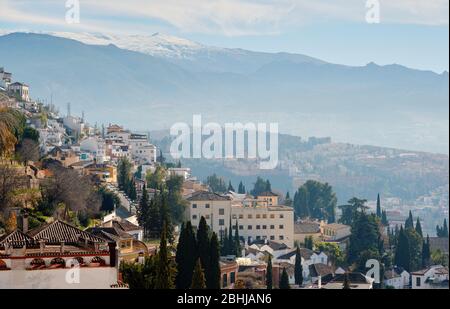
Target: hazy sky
(411, 32)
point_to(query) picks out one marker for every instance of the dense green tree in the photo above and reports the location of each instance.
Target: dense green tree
(317, 200)
(198, 277)
(241, 188)
(284, 280)
(154, 223)
(298, 267)
(365, 235)
(378, 206)
(156, 180)
(287, 200)
(143, 211)
(230, 186)
(352, 209)
(419, 228)
(216, 184)
(224, 243)
(237, 241)
(309, 242)
(426, 253)
(140, 276)
(213, 276)
(186, 256)
(166, 217)
(384, 220)
(165, 274)
(415, 248)
(442, 232)
(409, 223)
(231, 243)
(261, 186)
(269, 274)
(203, 245)
(123, 173)
(176, 202)
(402, 251)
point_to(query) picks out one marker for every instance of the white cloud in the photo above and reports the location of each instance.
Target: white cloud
(226, 17)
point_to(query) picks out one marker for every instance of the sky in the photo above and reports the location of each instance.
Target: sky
(414, 33)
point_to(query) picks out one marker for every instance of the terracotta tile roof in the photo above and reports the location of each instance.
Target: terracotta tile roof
(306, 228)
(208, 196)
(16, 238)
(127, 226)
(58, 231)
(304, 252)
(320, 270)
(267, 193)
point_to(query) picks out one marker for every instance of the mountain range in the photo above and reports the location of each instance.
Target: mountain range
(151, 82)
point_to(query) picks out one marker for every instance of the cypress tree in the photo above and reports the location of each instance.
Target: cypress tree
(409, 223)
(198, 277)
(143, 211)
(154, 217)
(231, 245)
(378, 206)
(384, 219)
(284, 281)
(230, 186)
(241, 188)
(166, 217)
(237, 241)
(426, 252)
(213, 277)
(269, 279)
(225, 243)
(445, 229)
(164, 274)
(203, 245)
(402, 252)
(186, 256)
(298, 267)
(419, 228)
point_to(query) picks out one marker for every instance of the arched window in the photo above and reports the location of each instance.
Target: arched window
(37, 264)
(97, 261)
(57, 263)
(3, 265)
(76, 261)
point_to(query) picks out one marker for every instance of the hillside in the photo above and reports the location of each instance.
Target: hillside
(390, 106)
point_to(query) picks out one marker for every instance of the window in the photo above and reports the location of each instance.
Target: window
(249, 227)
(207, 217)
(264, 216)
(221, 211)
(272, 227)
(258, 237)
(241, 227)
(234, 216)
(194, 217)
(206, 205)
(232, 277)
(272, 216)
(281, 216)
(281, 226)
(258, 216)
(281, 237)
(194, 205)
(418, 283)
(272, 237)
(249, 217)
(221, 222)
(241, 216)
(224, 280)
(264, 227)
(258, 227)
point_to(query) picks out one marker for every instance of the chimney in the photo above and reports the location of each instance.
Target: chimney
(62, 247)
(41, 246)
(25, 223)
